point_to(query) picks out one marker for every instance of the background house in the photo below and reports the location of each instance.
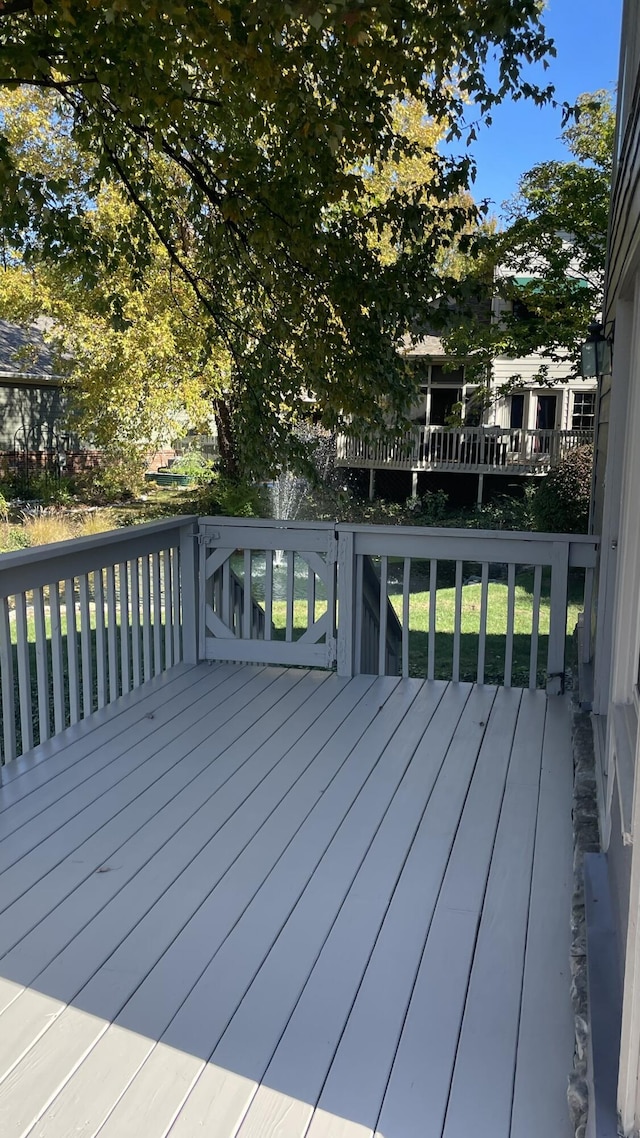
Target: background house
(32, 404)
(518, 436)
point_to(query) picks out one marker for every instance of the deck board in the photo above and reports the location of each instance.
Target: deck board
(294, 905)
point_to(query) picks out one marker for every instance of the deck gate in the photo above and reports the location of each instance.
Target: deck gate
(267, 592)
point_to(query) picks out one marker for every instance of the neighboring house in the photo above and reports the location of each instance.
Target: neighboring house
(33, 430)
(614, 945)
(520, 435)
(31, 397)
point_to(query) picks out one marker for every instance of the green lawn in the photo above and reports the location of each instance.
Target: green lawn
(470, 626)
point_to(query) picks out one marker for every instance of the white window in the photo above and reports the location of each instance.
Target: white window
(584, 411)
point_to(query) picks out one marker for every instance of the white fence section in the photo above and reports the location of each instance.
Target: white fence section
(506, 450)
(268, 591)
(85, 621)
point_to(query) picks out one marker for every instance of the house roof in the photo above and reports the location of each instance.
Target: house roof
(430, 346)
(24, 353)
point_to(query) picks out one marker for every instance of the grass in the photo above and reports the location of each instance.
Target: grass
(470, 627)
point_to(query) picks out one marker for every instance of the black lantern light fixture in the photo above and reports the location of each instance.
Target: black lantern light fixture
(595, 353)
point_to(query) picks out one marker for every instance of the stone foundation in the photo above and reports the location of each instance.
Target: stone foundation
(586, 839)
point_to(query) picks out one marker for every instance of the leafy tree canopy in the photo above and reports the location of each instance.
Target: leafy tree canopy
(243, 137)
(549, 261)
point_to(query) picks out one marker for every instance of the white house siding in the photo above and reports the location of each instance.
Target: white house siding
(616, 515)
(563, 385)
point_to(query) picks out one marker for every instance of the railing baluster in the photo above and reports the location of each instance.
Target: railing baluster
(247, 605)
(406, 596)
(268, 593)
(557, 617)
(73, 679)
(359, 616)
(42, 665)
(136, 646)
(85, 648)
(511, 611)
(125, 643)
(482, 637)
(112, 633)
(146, 617)
(7, 684)
(586, 608)
(227, 599)
(24, 673)
(176, 584)
(382, 621)
(101, 655)
(157, 615)
(457, 624)
(167, 607)
(311, 596)
(290, 555)
(431, 646)
(57, 666)
(535, 627)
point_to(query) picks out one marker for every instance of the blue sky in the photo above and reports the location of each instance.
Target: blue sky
(587, 37)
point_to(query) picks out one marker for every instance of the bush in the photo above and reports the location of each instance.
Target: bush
(506, 511)
(198, 468)
(231, 499)
(430, 509)
(44, 486)
(560, 503)
(120, 476)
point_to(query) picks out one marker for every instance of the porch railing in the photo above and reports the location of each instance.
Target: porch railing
(488, 606)
(508, 450)
(84, 622)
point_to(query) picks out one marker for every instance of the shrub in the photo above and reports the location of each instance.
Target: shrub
(45, 487)
(198, 468)
(120, 476)
(560, 503)
(506, 511)
(430, 509)
(231, 499)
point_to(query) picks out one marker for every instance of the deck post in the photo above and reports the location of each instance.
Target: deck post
(346, 603)
(414, 484)
(480, 489)
(189, 589)
(557, 617)
(372, 484)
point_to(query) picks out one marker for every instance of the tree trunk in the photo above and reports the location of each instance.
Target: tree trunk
(226, 440)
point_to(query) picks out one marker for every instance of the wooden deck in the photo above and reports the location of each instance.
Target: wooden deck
(252, 902)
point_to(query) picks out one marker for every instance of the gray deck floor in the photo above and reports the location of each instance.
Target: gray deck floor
(263, 902)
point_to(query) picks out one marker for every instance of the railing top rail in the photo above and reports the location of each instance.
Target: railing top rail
(440, 531)
(506, 546)
(45, 564)
(271, 523)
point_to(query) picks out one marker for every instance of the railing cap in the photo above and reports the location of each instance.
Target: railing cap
(444, 531)
(81, 544)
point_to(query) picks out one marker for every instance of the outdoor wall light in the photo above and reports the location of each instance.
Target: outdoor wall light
(595, 353)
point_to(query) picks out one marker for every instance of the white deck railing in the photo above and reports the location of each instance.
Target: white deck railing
(508, 450)
(86, 621)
